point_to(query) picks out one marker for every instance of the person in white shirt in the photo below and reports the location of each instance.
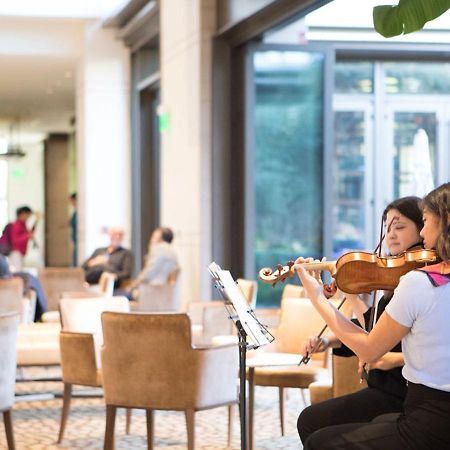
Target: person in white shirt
(418, 316)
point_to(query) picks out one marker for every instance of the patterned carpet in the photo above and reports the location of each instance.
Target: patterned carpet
(36, 424)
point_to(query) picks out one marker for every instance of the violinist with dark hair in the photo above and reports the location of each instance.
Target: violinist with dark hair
(386, 386)
(417, 315)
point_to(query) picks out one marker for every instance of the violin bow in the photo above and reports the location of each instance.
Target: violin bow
(365, 373)
(307, 357)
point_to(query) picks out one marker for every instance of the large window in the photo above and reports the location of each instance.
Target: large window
(287, 115)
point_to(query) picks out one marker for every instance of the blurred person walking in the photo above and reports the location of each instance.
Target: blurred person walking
(20, 234)
(73, 228)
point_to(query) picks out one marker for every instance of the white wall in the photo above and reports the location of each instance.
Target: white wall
(186, 49)
(103, 139)
(26, 187)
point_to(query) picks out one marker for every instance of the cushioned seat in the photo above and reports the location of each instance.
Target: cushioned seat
(289, 376)
(38, 344)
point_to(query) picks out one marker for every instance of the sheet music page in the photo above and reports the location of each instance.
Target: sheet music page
(251, 326)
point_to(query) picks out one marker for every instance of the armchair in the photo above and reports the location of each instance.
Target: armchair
(159, 297)
(55, 280)
(8, 334)
(80, 342)
(142, 359)
(345, 380)
(299, 319)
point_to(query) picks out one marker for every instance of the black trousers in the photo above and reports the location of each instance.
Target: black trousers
(361, 406)
(424, 425)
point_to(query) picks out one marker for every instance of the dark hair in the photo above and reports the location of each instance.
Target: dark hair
(438, 203)
(409, 207)
(73, 196)
(22, 210)
(166, 234)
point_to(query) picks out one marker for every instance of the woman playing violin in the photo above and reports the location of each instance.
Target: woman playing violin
(417, 315)
(386, 386)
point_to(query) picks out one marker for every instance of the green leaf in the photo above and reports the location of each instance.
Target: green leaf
(408, 16)
(387, 21)
(415, 13)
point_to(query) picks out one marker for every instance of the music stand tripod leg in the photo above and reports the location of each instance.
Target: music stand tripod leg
(242, 384)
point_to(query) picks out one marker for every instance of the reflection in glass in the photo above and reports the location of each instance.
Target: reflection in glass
(353, 77)
(288, 118)
(415, 153)
(414, 78)
(348, 173)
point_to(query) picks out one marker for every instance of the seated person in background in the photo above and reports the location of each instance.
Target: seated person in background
(29, 282)
(113, 259)
(160, 263)
(161, 260)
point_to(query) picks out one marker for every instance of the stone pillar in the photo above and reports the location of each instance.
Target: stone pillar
(103, 138)
(187, 29)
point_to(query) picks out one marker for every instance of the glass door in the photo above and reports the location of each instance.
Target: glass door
(416, 145)
(353, 195)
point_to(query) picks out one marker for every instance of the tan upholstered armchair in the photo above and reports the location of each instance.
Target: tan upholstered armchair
(55, 280)
(345, 380)
(37, 343)
(149, 363)
(250, 289)
(160, 297)
(9, 323)
(80, 342)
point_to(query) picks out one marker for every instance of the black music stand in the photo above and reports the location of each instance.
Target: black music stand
(251, 332)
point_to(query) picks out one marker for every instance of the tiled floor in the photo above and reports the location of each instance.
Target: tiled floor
(36, 424)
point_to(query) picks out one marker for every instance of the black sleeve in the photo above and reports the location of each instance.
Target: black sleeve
(125, 270)
(85, 264)
(343, 350)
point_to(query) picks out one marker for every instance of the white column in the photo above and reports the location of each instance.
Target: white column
(103, 138)
(187, 28)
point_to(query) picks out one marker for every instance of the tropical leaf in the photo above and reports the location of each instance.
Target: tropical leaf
(387, 21)
(408, 16)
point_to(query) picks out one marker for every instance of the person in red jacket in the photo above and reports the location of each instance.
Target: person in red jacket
(20, 235)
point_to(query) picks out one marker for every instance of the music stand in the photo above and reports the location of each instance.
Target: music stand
(251, 332)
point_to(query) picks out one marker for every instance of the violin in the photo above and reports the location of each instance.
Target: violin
(359, 272)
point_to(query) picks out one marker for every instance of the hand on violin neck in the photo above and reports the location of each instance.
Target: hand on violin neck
(310, 281)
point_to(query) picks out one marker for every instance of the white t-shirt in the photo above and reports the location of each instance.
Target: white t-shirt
(418, 305)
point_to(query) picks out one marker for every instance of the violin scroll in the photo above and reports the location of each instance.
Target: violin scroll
(269, 276)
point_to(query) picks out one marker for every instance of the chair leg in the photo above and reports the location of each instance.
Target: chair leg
(128, 420)
(65, 410)
(302, 392)
(109, 428)
(190, 425)
(150, 429)
(231, 410)
(7, 420)
(281, 404)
